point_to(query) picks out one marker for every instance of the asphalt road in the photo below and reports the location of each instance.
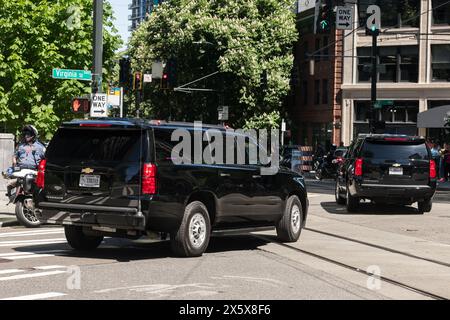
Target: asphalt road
(379, 253)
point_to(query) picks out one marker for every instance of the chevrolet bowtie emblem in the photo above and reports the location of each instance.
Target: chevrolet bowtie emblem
(397, 165)
(87, 170)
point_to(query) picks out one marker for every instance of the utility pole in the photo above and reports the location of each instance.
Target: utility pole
(375, 34)
(98, 47)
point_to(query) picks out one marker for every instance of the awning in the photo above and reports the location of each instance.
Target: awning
(434, 118)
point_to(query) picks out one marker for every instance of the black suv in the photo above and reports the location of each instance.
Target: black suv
(387, 169)
(117, 178)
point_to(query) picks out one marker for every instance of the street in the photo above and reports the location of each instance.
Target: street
(379, 253)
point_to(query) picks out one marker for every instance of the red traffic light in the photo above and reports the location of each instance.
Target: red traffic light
(165, 76)
(81, 105)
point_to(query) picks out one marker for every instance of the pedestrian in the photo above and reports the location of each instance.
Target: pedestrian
(435, 155)
(445, 162)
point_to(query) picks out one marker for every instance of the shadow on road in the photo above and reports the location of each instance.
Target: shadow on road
(369, 209)
(124, 250)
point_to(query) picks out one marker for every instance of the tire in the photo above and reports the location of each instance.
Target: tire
(26, 216)
(289, 227)
(318, 174)
(351, 202)
(425, 206)
(192, 237)
(337, 194)
(80, 241)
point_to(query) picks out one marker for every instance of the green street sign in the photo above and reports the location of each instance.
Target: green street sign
(72, 74)
(383, 103)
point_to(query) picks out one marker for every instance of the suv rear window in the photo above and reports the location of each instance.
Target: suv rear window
(95, 144)
(394, 150)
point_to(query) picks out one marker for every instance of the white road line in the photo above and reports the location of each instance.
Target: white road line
(30, 232)
(10, 271)
(42, 233)
(48, 267)
(26, 241)
(31, 275)
(30, 256)
(11, 254)
(32, 243)
(46, 295)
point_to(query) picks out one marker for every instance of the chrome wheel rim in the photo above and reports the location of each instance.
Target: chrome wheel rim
(197, 230)
(29, 215)
(295, 218)
(337, 193)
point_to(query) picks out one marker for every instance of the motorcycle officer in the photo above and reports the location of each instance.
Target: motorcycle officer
(28, 153)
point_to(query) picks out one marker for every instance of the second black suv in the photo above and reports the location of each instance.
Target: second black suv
(387, 169)
(118, 178)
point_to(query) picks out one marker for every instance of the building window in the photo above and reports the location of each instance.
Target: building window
(398, 13)
(440, 62)
(317, 92)
(401, 64)
(325, 92)
(437, 103)
(305, 92)
(441, 15)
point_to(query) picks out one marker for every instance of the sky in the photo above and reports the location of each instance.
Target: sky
(121, 12)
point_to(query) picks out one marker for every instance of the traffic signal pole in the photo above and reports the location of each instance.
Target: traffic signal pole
(375, 32)
(98, 47)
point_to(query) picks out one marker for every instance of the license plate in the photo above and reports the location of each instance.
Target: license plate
(396, 171)
(89, 181)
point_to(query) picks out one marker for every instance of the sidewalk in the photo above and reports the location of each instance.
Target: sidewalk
(443, 186)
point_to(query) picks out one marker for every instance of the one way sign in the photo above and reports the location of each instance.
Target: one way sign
(99, 106)
(344, 18)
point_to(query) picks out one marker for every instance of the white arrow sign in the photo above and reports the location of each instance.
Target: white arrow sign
(344, 18)
(99, 106)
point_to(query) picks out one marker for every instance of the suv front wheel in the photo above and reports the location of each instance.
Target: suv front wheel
(192, 237)
(290, 225)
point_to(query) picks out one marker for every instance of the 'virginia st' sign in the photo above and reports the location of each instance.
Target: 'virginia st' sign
(72, 74)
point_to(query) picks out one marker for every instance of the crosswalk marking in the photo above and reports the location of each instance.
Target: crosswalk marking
(46, 295)
(32, 231)
(29, 234)
(30, 256)
(12, 254)
(35, 240)
(31, 275)
(8, 271)
(48, 267)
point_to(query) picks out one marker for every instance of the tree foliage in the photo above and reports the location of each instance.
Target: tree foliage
(36, 36)
(238, 38)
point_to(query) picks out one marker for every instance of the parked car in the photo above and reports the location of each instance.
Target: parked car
(117, 178)
(387, 169)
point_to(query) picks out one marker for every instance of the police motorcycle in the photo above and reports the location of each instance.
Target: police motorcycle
(21, 195)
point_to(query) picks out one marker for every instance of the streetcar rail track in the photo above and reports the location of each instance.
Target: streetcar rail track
(356, 269)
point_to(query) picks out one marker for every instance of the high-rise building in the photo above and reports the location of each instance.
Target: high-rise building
(139, 10)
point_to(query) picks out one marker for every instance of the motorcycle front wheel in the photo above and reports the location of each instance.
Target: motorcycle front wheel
(26, 216)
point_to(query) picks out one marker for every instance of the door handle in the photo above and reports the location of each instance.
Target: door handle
(225, 175)
(257, 177)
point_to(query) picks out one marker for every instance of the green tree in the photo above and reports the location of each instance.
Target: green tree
(238, 38)
(36, 36)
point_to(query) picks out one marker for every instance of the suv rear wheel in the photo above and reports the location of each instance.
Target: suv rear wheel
(351, 202)
(78, 240)
(192, 237)
(290, 225)
(425, 206)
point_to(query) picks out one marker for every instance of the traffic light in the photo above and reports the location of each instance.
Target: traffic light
(81, 105)
(125, 72)
(326, 17)
(264, 79)
(171, 71)
(165, 80)
(137, 81)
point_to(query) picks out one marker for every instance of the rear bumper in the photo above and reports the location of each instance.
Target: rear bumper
(88, 215)
(413, 193)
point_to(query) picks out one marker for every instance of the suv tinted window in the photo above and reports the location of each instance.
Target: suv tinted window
(95, 144)
(394, 151)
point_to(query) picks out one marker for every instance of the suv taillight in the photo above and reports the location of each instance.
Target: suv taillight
(40, 179)
(149, 178)
(359, 167)
(432, 169)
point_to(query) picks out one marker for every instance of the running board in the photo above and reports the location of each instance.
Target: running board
(240, 231)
